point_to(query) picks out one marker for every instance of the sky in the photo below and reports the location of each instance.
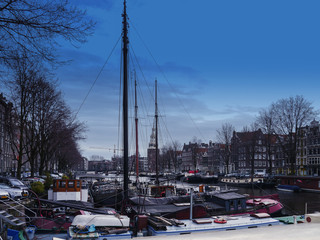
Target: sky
(215, 62)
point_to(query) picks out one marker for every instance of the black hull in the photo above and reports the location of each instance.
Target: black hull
(108, 199)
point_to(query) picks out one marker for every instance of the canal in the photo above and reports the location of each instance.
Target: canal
(294, 203)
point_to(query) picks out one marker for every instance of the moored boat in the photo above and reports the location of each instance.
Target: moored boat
(288, 188)
(305, 183)
(220, 223)
(100, 227)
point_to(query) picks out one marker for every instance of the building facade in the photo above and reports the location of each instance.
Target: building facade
(7, 165)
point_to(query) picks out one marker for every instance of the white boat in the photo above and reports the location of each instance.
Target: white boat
(221, 223)
(101, 220)
(100, 227)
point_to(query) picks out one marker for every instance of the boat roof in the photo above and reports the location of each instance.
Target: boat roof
(101, 220)
(229, 195)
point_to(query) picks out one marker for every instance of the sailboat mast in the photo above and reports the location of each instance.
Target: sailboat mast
(156, 118)
(125, 41)
(136, 121)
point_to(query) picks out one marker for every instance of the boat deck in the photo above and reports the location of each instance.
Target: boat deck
(310, 231)
(208, 224)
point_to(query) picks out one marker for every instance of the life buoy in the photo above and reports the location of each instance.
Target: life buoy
(220, 220)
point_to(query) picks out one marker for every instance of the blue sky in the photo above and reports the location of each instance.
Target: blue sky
(215, 62)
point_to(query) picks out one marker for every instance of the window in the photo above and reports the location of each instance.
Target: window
(62, 184)
(71, 184)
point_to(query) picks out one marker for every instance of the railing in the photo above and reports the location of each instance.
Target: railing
(13, 206)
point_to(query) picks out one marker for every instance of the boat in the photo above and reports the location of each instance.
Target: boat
(288, 188)
(219, 223)
(233, 203)
(201, 178)
(305, 183)
(177, 207)
(100, 227)
(107, 193)
(258, 183)
(266, 205)
(66, 199)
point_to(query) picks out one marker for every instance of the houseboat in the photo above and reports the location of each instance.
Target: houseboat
(305, 183)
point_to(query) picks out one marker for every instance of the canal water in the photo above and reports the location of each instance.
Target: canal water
(294, 203)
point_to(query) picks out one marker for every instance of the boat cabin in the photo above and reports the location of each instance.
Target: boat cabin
(230, 201)
(162, 191)
(68, 189)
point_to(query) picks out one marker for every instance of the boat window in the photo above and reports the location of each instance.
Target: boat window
(62, 184)
(71, 184)
(78, 184)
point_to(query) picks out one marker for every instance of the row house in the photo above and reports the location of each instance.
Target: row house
(281, 164)
(7, 164)
(192, 156)
(82, 165)
(249, 152)
(215, 163)
(308, 150)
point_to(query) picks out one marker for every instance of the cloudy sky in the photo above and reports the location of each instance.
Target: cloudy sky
(215, 61)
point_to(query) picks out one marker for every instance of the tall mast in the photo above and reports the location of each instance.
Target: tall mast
(125, 42)
(156, 118)
(136, 121)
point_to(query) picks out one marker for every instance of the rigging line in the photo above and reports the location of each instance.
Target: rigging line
(184, 108)
(144, 106)
(139, 66)
(144, 78)
(94, 82)
(150, 92)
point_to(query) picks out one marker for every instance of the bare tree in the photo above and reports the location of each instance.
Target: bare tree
(57, 130)
(40, 121)
(22, 86)
(169, 155)
(224, 135)
(36, 26)
(290, 114)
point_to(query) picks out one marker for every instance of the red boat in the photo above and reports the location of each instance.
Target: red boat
(265, 205)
